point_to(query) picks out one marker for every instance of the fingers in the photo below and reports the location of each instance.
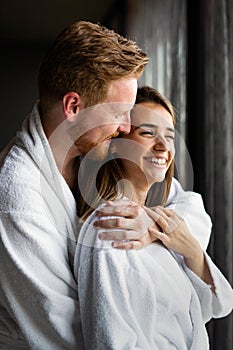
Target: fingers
(167, 212)
(117, 222)
(158, 235)
(127, 245)
(130, 225)
(124, 235)
(119, 207)
(128, 240)
(167, 219)
(140, 221)
(135, 244)
(160, 217)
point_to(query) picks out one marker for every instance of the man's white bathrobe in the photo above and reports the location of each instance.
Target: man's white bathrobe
(146, 299)
(39, 305)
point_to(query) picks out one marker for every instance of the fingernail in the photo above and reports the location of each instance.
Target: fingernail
(115, 245)
(101, 236)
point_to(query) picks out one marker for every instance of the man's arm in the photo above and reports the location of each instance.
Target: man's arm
(133, 221)
(37, 287)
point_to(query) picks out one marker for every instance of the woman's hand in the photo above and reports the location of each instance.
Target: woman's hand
(129, 226)
(176, 236)
(174, 233)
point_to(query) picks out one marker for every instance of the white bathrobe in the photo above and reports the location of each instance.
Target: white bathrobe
(146, 299)
(38, 225)
(39, 305)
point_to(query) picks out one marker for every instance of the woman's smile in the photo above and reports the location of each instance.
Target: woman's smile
(158, 162)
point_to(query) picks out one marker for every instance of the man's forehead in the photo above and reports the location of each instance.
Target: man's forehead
(115, 106)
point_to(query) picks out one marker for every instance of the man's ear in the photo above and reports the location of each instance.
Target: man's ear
(71, 105)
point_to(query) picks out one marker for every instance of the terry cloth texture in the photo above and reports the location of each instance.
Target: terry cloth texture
(144, 299)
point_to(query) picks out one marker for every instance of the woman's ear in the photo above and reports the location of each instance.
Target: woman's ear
(71, 105)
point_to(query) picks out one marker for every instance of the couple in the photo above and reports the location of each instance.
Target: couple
(87, 87)
(159, 297)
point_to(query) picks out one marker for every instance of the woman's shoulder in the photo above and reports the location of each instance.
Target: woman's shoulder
(89, 235)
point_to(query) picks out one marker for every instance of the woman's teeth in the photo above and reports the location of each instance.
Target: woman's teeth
(159, 161)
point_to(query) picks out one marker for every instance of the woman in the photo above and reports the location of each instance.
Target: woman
(159, 297)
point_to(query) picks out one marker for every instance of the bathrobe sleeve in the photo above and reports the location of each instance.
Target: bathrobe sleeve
(37, 286)
(189, 205)
(38, 291)
(113, 316)
(213, 305)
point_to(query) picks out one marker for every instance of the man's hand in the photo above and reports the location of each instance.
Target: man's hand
(127, 224)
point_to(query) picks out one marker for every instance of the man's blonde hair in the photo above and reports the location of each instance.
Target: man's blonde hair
(86, 58)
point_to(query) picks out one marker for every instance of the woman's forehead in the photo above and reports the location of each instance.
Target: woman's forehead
(151, 114)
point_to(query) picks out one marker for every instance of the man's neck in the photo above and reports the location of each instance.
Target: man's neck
(70, 173)
(64, 150)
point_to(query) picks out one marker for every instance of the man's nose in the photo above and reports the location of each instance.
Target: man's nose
(125, 125)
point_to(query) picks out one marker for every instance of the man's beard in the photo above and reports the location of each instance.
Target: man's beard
(98, 152)
(95, 151)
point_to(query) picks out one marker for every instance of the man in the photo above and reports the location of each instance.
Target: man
(87, 87)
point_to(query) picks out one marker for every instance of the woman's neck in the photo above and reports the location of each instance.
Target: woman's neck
(134, 191)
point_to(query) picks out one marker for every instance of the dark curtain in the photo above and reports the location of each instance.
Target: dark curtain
(159, 27)
(210, 132)
(190, 44)
(212, 91)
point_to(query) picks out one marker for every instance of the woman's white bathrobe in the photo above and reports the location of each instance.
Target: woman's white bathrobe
(145, 299)
(39, 306)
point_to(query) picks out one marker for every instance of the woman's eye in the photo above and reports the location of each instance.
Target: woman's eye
(147, 132)
(170, 137)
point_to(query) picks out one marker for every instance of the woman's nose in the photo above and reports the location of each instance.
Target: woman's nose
(160, 141)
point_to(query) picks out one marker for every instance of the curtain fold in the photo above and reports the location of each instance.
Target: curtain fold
(218, 111)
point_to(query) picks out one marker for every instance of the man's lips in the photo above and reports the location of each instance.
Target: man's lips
(111, 136)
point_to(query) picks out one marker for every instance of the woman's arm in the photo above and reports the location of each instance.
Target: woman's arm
(175, 235)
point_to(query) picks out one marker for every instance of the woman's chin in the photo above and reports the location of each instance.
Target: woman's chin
(154, 178)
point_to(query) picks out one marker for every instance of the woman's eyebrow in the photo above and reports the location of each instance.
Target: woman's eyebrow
(146, 125)
(171, 129)
(153, 126)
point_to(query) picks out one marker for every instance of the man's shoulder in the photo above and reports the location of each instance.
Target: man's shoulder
(19, 175)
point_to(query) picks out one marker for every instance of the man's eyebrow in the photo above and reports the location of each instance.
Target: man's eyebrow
(153, 126)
